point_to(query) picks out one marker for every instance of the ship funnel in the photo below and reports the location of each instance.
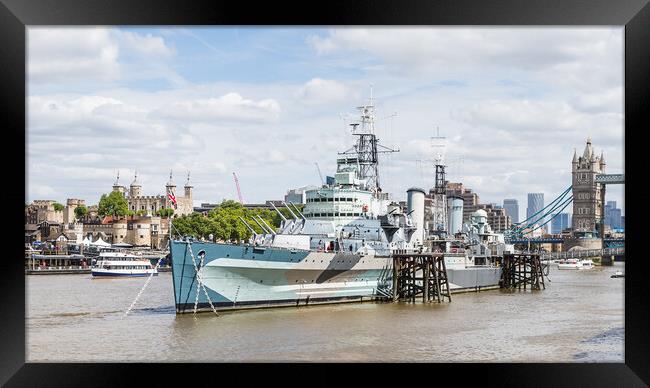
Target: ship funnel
(455, 214)
(415, 206)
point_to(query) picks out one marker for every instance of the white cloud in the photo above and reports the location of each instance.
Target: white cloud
(512, 102)
(59, 54)
(89, 54)
(145, 45)
(578, 57)
(322, 91)
(514, 119)
(229, 107)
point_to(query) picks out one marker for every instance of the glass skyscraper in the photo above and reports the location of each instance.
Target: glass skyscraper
(512, 208)
(535, 204)
(560, 222)
(612, 215)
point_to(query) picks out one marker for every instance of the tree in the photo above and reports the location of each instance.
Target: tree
(113, 204)
(58, 207)
(165, 212)
(141, 212)
(224, 222)
(80, 212)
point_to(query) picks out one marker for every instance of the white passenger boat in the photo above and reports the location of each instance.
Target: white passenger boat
(120, 264)
(575, 264)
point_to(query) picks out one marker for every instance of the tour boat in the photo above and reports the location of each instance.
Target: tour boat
(575, 264)
(122, 264)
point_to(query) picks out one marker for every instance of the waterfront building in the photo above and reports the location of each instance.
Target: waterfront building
(68, 213)
(268, 205)
(152, 203)
(587, 204)
(298, 196)
(512, 209)
(560, 222)
(149, 231)
(42, 221)
(42, 210)
(612, 215)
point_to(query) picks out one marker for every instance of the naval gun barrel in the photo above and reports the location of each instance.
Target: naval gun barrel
(290, 211)
(260, 225)
(296, 208)
(267, 225)
(278, 211)
(248, 226)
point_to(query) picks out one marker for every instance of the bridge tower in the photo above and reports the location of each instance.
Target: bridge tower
(588, 206)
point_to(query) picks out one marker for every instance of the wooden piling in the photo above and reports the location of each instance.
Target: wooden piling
(522, 269)
(419, 274)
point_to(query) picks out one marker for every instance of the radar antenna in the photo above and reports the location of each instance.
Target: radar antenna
(439, 203)
(367, 147)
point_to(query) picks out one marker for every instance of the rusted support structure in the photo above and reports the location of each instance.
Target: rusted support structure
(522, 269)
(422, 275)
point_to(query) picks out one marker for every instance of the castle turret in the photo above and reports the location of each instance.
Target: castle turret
(136, 188)
(116, 186)
(188, 188)
(586, 155)
(574, 162)
(171, 189)
(602, 162)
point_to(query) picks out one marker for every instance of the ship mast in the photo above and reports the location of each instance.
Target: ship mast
(439, 196)
(367, 147)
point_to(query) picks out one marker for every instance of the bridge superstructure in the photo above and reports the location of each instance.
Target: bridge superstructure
(583, 253)
(587, 193)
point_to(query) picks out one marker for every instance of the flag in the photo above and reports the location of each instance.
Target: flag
(173, 199)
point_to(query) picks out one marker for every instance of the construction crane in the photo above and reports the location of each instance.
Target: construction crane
(319, 174)
(241, 200)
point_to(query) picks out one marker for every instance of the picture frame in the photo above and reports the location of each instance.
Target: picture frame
(17, 15)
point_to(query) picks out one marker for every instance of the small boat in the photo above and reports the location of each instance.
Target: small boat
(575, 264)
(120, 264)
(618, 274)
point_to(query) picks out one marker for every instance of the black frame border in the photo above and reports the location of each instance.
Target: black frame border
(15, 15)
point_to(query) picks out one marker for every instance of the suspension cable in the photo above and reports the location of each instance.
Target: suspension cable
(532, 224)
(559, 198)
(565, 203)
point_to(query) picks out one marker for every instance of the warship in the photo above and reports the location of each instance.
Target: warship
(337, 249)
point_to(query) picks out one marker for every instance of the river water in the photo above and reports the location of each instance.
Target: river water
(578, 318)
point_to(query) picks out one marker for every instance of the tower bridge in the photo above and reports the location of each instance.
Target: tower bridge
(587, 193)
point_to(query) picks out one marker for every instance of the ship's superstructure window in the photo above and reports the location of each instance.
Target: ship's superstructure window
(336, 199)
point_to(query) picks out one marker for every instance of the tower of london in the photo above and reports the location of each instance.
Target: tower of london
(153, 203)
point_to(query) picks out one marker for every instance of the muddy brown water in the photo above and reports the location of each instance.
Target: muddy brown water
(578, 318)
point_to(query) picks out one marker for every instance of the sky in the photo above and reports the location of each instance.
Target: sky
(269, 103)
